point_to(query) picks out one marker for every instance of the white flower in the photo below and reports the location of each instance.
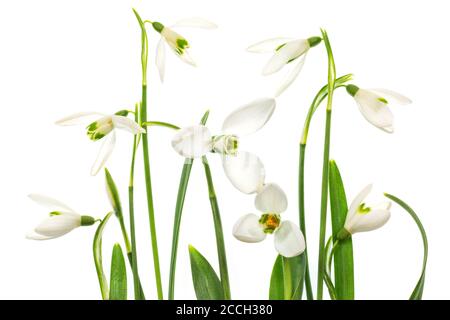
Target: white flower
(361, 218)
(176, 42)
(245, 170)
(285, 50)
(104, 127)
(373, 104)
(271, 201)
(62, 219)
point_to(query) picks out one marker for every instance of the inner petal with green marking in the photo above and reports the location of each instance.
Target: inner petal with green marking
(362, 209)
(100, 128)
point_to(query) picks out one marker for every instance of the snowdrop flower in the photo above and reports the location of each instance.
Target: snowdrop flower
(62, 219)
(103, 127)
(373, 104)
(362, 218)
(285, 50)
(245, 170)
(176, 42)
(251, 228)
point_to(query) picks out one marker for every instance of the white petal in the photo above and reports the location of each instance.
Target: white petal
(245, 171)
(249, 118)
(186, 57)
(161, 58)
(269, 45)
(353, 209)
(32, 235)
(128, 124)
(248, 229)
(195, 23)
(271, 199)
(372, 220)
(49, 203)
(288, 52)
(289, 240)
(192, 142)
(292, 75)
(392, 95)
(375, 111)
(56, 226)
(78, 118)
(105, 151)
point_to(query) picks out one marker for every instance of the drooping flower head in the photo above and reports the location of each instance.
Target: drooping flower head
(374, 105)
(102, 129)
(271, 201)
(361, 217)
(62, 219)
(179, 45)
(245, 170)
(285, 51)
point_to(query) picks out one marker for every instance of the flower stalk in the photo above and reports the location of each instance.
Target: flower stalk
(326, 159)
(145, 148)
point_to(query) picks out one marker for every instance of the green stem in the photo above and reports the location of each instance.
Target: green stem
(320, 96)
(287, 279)
(219, 232)
(326, 159)
(145, 148)
(301, 207)
(132, 256)
(160, 124)
(148, 185)
(184, 180)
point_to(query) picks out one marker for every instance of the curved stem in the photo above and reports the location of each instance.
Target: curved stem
(326, 159)
(145, 148)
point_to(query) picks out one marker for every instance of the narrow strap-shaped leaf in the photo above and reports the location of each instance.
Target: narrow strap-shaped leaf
(287, 279)
(218, 230)
(97, 249)
(206, 282)
(343, 254)
(418, 290)
(182, 188)
(118, 279)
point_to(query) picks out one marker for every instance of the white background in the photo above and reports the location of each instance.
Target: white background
(61, 57)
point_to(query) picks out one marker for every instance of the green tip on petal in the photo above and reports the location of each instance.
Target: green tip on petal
(87, 221)
(158, 26)
(383, 100)
(122, 113)
(314, 41)
(352, 89)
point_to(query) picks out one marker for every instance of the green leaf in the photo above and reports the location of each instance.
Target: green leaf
(343, 254)
(206, 282)
(418, 290)
(286, 282)
(118, 280)
(182, 189)
(113, 194)
(97, 249)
